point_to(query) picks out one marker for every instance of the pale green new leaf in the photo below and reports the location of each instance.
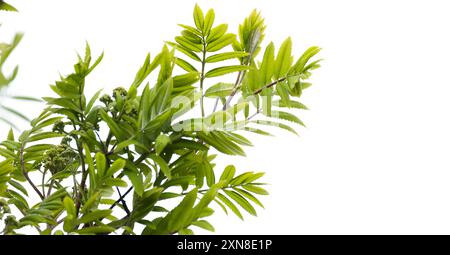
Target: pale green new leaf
(198, 17)
(217, 33)
(284, 59)
(220, 42)
(297, 68)
(208, 22)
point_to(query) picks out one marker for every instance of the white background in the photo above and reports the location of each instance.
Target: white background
(375, 156)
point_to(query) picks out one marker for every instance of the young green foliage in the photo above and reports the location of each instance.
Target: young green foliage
(103, 164)
(5, 51)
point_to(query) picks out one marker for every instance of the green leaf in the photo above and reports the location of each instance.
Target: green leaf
(127, 143)
(198, 17)
(283, 92)
(292, 104)
(249, 196)
(241, 179)
(192, 36)
(181, 40)
(164, 96)
(39, 147)
(145, 70)
(241, 201)
(193, 30)
(155, 124)
(115, 182)
(185, 51)
(180, 216)
(161, 142)
(226, 55)
(217, 33)
(145, 204)
(94, 215)
(10, 135)
(46, 123)
(35, 219)
(136, 180)
(92, 101)
(185, 231)
(204, 224)
(267, 64)
(90, 202)
(286, 116)
(115, 128)
(221, 143)
(220, 43)
(91, 168)
(228, 174)
(275, 124)
(185, 79)
(100, 160)
(220, 89)
(7, 7)
(42, 136)
(162, 165)
(230, 205)
(188, 144)
(208, 22)
(13, 183)
(284, 59)
(118, 165)
(69, 206)
(185, 65)
(255, 189)
(6, 153)
(305, 85)
(297, 68)
(96, 230)
(97, 61)
(237, 138)
(225, 70)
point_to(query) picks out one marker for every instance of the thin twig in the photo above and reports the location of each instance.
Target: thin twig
(124, 203)
(83, 176)
(50, 188)
(235, 89)
(121, 197)
(256, 113)
(215, 105)
(25, 174)
(256, 92)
